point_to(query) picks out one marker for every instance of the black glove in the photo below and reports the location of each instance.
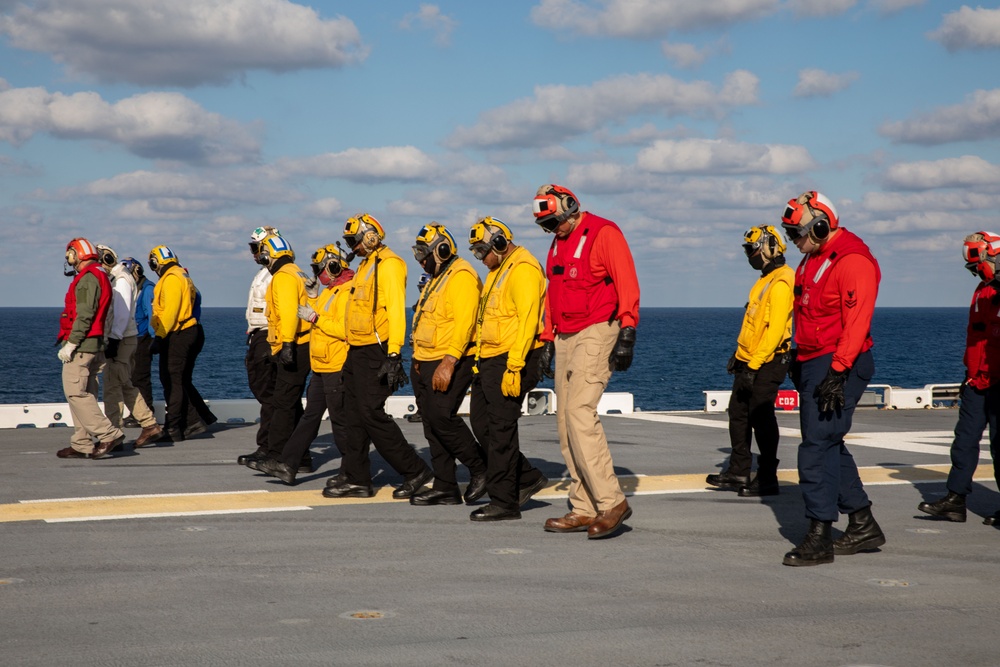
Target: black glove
(545, 359)
(392, 372)
(154, 347)
(743, 382)
(621, 356)
(831, 390)
(287, 356)
(111, 351)
(731, 365)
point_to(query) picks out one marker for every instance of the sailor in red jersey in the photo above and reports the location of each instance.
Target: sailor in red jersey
(979, 404)
(835, 289)
(81, 332)
(591, 311)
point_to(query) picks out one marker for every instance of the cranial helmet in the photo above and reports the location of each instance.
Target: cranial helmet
(134, 267)
(259, 235)
(273, 248)
(78, 250)
(764, 239)
(328, 262)
(980, 252)
(812, 214)
(489, 234)
(363, 229)
(160, 258)
(107, 256)
(434, 242)
(553, 205)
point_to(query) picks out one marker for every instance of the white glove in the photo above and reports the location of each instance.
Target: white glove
(312, 287)
(66, 352)
(308, 314)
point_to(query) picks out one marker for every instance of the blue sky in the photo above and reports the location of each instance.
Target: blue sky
(191, 122)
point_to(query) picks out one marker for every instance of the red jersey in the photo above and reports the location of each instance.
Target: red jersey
(982, 339)
(835, 292)
(69, 311)
(591, 279)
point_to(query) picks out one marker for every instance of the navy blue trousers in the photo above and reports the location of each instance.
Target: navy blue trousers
(978, 409)
(828, 475)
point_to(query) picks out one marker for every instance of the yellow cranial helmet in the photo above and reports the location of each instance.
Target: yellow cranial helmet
(329, 257)
(489, 234)
(434, 239)
(161, 257)
(765, 239)
(363, 229)
(273, 248)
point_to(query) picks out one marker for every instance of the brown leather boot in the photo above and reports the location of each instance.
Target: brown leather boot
(571, 523)
(608, 522)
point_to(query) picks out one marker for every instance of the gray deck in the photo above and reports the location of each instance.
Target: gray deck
(696, 579)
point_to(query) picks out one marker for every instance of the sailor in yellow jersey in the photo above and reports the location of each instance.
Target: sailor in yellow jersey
(288, 337)
(508, 321)
(376, 329)
(327, 353)
(177, 342)
(760, 365)
(441, 370)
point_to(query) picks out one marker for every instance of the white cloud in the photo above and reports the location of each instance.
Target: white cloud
(931, 200)
(165, 126)
(969, 29)
(559, 112)
(723, 156)
(429, 17)
(818, 83)
(327, 207)
(685, 56)
(964, 171)
(644, 18)
(820, 7)
(977, 118)
(182, 42)
(367, 165)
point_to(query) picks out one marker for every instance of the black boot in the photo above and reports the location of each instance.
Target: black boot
(727, 480)
(951, 507)
(762, 485)
(862, 534)
(816, 548)
(992, 520)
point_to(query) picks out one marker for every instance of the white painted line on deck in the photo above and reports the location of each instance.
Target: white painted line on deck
(158, 515)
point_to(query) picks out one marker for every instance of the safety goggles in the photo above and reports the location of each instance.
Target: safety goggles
(421, 252)
(795, 232)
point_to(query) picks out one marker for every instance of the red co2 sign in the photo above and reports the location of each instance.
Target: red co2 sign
(787, 399)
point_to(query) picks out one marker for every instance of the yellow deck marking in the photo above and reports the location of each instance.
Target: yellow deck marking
(192, 504)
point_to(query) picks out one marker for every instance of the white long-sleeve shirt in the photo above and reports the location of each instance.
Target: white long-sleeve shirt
(255, 302)
(123, 299)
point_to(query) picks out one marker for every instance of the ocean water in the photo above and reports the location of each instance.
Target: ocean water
(680, 352)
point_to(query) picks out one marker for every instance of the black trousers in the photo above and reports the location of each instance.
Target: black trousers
(177, 356)
(367, 420)
(142, 368)
(752, 414)
(197, 402)
(260, 376)
(447, 434)
(286, 401)
(494, 421)
(325, 392)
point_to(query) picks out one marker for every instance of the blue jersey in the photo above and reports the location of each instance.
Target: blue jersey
(144, 308)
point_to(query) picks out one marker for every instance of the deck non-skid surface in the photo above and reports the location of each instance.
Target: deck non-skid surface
(174, 555)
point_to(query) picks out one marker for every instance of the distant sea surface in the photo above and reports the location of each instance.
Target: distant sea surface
(680, 352)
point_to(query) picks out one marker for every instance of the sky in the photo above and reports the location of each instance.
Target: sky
(191, 122)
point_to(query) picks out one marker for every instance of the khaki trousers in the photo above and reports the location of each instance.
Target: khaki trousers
(582, 372)
(79, 378)
(118, 389)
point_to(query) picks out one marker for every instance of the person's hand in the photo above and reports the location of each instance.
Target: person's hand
(831, 390)
(65, 353)
(287, 356)
(312, 287)
(511, 383)
(743, 382)
(545, 359)
(621, 355)
(731, 365)
(308, 314)
(392, 372)
(111, 351)
(443, 373)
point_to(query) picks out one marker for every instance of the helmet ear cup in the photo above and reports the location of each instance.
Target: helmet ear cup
(442, 252)
(370, 239)
(499, 242)
(570, 207)
(821, 228)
